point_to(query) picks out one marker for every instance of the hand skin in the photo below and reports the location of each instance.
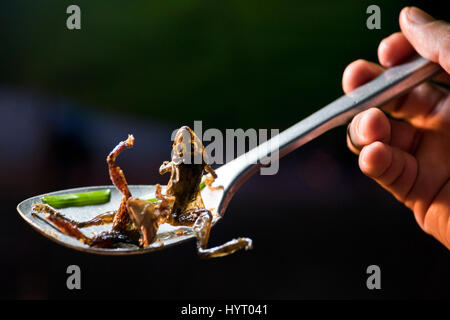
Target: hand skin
(408, 153)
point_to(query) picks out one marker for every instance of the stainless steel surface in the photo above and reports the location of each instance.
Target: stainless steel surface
(231, 176)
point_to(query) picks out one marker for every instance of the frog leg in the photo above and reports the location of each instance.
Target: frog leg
(202, 229)
(69, 227)
(62, 223)
(116, 174)
(101, 219)
(210, 178)
(121, 218)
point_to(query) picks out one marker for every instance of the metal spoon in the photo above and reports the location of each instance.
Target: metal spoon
(390, 84)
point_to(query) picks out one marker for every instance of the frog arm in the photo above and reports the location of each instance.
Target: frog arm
(211, 171)
(210, 178)
(165, 167)
(172, 168)
(105, 239)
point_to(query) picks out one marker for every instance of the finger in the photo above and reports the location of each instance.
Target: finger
(373, 125)
(394, 169)
(358, 73)
(416, 105)
(394, 50)
(419, 103)
(366, 127)
(429, 37)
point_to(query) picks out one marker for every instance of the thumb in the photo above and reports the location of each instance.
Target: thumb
(430, 37)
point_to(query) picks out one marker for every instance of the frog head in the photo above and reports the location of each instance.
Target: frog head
(187, 148)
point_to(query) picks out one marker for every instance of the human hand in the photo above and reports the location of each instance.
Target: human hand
(409, 153)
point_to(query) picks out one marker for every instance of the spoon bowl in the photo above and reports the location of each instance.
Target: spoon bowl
(167, 235)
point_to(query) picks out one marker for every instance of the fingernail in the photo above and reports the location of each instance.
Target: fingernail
(361, 119)
(351, 138)
(417, 16)
(381, 53)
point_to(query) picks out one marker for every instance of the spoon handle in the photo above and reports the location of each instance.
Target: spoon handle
(390, 84)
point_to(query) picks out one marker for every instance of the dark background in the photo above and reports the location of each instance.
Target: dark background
(147, 67)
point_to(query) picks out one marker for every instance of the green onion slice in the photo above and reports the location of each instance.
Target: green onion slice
(77, 199)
